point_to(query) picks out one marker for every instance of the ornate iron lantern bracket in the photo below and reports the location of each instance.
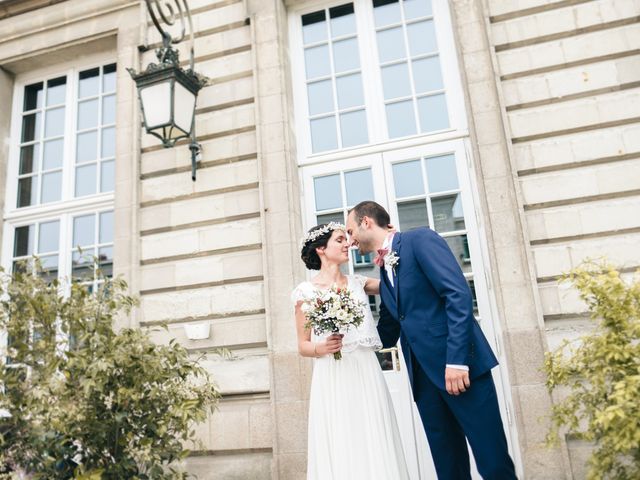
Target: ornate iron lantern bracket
(166, 91)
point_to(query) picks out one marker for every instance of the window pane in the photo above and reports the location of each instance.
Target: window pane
(49, 237)
(108, 142)
(441, 173)
(23, 241)
(314, 27)
(343, 21)
(52, 157)
(359, 186)
(320, 97)
(422, 38)
(323, 134)
(84, 230)
(413, 214)
(109, 109)
(327, 192)
(49, 267)
(33, 96)
(391, 45)
(353, 127)
(349, 91)
(400, 119)
(107, 176)
(447, 213)
(56, 91)
(54, 122)
(89, 83)
(109, 78)
(51, 187)
(106, 227)
(31, 127)
(88, 114)
(395, 81)
(427, 75)
(417, 8)
(105, 261)
(82, 264)
(407, 179)
(386, 12)
(460, 249)
(29, 158)
(330, 217)
(87, 148)
(433, 113)
(345, 55)
(27, 191)
(317, 61)
(85, 180)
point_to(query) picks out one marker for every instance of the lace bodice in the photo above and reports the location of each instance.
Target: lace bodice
(366, 335)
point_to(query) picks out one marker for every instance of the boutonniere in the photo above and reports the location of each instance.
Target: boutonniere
(392, 260)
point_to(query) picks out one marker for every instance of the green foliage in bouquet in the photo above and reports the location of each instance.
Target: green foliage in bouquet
(602, 374)
(81, 400)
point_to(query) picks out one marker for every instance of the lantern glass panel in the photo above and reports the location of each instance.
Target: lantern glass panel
(184, 106)
(156, 104)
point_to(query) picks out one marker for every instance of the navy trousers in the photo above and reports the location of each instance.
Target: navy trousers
(448, 419)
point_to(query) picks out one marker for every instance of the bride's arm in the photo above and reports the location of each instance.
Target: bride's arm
(372, 286)
(306, 347)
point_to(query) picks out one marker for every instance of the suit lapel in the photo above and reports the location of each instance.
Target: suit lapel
(395, 246)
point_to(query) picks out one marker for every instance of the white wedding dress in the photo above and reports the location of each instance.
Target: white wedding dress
(353, 434)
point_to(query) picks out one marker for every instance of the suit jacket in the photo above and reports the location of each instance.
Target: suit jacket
(430, 309)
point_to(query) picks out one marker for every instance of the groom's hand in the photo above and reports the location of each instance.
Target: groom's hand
(456, 381)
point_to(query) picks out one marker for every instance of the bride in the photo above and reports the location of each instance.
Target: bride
(353, 433)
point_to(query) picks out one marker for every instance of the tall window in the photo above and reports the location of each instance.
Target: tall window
(371, 71)
(61, 172)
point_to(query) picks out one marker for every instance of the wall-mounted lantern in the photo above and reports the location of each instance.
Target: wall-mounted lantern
(166, 91)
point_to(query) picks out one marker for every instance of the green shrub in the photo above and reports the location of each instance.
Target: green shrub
(84, 400)
(601, 374)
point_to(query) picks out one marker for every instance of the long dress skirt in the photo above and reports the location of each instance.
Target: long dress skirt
(353, 433)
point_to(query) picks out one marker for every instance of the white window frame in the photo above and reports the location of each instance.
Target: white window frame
(68, 206)
(71, 71)
(372, 83)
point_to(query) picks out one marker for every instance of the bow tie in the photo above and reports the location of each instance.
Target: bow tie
(379, 258)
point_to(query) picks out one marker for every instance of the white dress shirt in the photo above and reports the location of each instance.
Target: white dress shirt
(388, 242)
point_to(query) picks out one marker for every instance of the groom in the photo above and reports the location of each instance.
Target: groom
(426, 302)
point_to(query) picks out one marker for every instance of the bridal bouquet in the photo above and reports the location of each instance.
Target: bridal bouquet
(333, 311)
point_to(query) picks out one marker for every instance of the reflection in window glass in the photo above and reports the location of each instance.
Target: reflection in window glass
(459, 246)
(447, 213)
(413, 214)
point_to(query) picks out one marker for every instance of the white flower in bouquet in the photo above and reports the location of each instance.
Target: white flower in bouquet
(335, 310)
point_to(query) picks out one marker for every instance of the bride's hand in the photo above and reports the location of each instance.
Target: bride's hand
(332, 344)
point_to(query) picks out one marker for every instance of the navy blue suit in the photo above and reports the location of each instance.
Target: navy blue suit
(429, 308)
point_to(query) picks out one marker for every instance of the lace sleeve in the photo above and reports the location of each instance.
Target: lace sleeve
(360, 280)
(299, 293)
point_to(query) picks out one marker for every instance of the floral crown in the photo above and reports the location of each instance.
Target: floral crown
(315, 234)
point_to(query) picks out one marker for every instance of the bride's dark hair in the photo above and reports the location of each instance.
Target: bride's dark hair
(309, 255)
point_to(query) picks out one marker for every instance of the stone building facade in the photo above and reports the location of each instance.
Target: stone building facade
(530, 126)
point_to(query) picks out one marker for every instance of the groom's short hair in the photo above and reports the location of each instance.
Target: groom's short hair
(372, 210)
